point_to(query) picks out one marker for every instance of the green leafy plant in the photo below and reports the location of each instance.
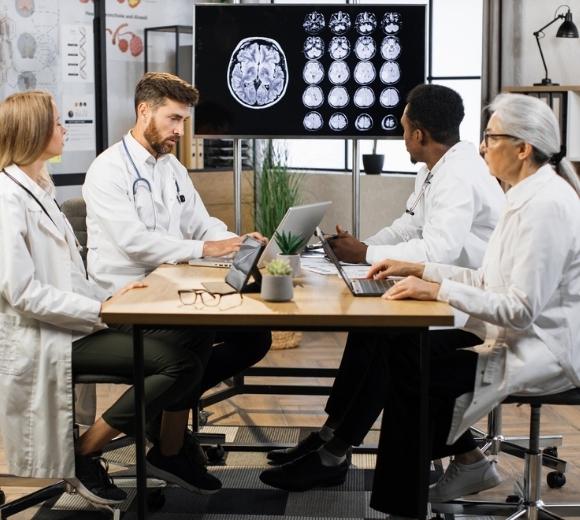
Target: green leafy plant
(279, 267)
(289, 243)
(277, 190)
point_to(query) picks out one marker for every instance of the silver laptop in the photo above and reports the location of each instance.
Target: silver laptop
(357, 286)
(298, 220)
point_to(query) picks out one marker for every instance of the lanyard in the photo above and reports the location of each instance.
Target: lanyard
(33, 196)
(78, 245)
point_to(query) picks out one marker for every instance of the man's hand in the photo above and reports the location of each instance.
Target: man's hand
(222, 247)
(123, 290)
(258, 236)
(347, 248)
(413, 288)
(388, 267)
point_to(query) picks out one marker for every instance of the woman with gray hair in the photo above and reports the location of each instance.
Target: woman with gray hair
(523, 305)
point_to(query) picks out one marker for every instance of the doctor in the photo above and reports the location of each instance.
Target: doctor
(143, 211)
(524, 302)
(50, 328)
(449, 219)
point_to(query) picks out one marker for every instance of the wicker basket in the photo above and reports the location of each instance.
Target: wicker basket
(285, 339)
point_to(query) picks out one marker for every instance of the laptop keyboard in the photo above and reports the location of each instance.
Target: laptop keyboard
(364, 286)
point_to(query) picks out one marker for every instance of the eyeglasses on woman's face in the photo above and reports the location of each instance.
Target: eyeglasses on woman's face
(493, 137)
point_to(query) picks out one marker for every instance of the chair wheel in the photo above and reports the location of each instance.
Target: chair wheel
(216, 455)
(155, 499)
(556, 479)
(2, 497)
(512, 499)
(552, 451)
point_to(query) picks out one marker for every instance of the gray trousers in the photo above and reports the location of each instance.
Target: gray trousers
(173, 369)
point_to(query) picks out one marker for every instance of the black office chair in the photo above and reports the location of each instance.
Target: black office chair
(528, 502)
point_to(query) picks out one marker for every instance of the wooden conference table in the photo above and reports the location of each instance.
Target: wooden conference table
(319, 303)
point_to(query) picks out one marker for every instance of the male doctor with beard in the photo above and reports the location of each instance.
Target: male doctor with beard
(143, 211)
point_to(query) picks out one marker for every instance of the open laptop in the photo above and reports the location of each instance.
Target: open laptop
(357, 286)
(298, 220)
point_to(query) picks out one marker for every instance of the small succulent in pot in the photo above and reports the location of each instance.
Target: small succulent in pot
(279, 267)
(289, 243)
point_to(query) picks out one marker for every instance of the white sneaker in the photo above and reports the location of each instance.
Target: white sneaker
(464, 479)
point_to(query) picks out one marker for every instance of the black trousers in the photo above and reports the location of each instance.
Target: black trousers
(396, 484)
(231, 353)
(357, 396)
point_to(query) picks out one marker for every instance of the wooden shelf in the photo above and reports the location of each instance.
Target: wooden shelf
(543, 88)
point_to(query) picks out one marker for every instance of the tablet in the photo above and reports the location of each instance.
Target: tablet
(244, 265)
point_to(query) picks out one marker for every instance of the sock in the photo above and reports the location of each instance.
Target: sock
(328, 459)
(326, 433)
(337, 446)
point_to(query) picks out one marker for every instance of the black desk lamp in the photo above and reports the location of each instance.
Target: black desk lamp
(568, 29)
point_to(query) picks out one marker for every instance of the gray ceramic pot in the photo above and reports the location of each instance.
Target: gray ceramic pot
(277, 288)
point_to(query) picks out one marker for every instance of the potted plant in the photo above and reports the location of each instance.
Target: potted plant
(277, 282)
(373, 163)
(290, 246)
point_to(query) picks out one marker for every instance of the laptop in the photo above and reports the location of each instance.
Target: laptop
(357, 286)
(298, 220)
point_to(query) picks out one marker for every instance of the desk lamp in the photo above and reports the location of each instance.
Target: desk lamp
(568, 29)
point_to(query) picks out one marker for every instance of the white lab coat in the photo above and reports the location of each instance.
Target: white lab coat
(452, 222)
(120, 247)
(525, 299)
(40, 312)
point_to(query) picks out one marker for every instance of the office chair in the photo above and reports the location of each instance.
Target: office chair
(528, 502)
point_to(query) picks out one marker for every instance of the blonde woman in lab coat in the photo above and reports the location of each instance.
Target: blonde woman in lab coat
(523, 304)
(50, 327)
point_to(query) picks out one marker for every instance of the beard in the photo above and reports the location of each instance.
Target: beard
(160, 145)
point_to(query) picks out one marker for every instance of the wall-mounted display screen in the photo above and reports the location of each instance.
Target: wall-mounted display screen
(306, 70)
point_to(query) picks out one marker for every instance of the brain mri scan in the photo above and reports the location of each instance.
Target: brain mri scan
(365, 23)
(338, 121)
(390, 48)
(339, 22)
(338, 97)
(313, 72)
(363, 122)
(389, 97)
(338, 73)
(389, 122)
(313, 121)
(364, 97)
(313, 97)
(365, 48)
(339, 48)
(314, 47)
(391, 23)
(390, 72)
(314, 22)
(364, 73)
(258, 73)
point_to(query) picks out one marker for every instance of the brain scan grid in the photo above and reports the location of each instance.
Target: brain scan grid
(339, 75)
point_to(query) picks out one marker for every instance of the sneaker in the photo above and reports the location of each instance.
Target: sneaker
(307, 445)
(180, 469)
(93, 483)
(464, 479)
(305, 473)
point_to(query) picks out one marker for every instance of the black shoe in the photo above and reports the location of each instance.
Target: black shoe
(182, 470)
(307, 445)
(193, 449)
(93, 482)
(305, 473)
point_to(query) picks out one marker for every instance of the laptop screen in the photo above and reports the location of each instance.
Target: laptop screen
(332, 256)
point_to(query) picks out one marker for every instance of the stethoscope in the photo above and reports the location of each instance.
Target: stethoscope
(426, 183)
(142, 181)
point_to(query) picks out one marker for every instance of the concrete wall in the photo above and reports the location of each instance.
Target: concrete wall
(383, 199)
